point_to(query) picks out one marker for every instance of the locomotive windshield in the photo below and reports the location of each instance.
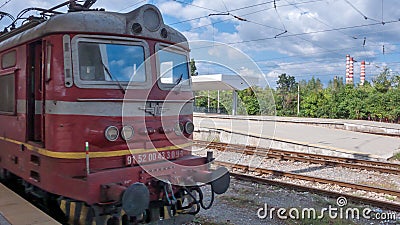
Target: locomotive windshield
(111, 62)
(173, 67)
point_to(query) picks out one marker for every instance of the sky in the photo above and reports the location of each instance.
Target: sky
(302, 38)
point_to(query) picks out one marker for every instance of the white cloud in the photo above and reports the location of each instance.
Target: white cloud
(117, 62)
(265, 23)
(273, 74)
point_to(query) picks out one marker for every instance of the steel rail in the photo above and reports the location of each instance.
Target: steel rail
(352, 163)
(278, 173)
(244, 169)
(352, 198)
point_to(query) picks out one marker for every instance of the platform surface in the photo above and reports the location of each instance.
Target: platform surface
(338, 139)
(17, 211)
(304, 120)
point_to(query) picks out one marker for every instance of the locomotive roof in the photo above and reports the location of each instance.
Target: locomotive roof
(147, 16)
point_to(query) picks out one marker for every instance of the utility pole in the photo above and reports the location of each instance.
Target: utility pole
(298, 99)
(218, 110)
(208, 101)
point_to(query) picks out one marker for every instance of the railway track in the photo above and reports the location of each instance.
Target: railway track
(378, 166)
(245, 172)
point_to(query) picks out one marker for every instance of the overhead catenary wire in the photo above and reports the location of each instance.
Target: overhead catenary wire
(260, 23)
(3, 14)
(304, 61)
(130, 6)
(316, 19)
(322, 22)
(304, 33)
(5, 3)
(288, 35)
(315, 32)
(284, 31)
(245, 20)
(198, 6)
(333, 51)
(280, 19)
(340, 29)
(361, 13)
(382, 14)
(246, 14)
(233, 10)
(223, 2)
(363, 43)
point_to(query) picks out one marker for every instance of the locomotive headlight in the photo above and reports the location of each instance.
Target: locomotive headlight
(111, 133)
(189, 127)
(178, 129)
(127, 133)
(152, 19)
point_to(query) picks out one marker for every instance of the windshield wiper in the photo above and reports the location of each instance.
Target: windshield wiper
(112, 77)
(179, 79)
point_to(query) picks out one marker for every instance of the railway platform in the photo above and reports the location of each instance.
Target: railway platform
(14, 210)
(344, 138)
(362, 126)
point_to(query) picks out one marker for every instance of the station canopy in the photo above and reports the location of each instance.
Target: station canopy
(222, 82)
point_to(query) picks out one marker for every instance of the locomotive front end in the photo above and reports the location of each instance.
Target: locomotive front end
(127, 98)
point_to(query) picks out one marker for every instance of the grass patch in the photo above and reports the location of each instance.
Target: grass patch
(391, 198)
(212, 138)
(395, 157)
(244, 191)
(200, 220)
(238, 201)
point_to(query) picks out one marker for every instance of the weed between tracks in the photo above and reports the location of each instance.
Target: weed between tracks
(387, 184)
(395, 157)
(239, 201)
(201, 220)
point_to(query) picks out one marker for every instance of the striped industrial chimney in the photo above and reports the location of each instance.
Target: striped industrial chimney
(362, 73)
(347, 68)
(351, 71)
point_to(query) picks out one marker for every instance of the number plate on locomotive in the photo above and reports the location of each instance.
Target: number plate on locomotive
(152, 157)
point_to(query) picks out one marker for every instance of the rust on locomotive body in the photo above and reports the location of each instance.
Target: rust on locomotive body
(65, 81)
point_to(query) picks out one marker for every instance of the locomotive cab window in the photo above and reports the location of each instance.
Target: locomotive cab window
(111, 62)
(105, 64)
(7, 94)
(9, 59)
(173, 67)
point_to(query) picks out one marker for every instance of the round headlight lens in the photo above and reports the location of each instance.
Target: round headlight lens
(127, 133)
(151, 19)
(189, 127)
(137, 28)
(111, 133)
(178, 129)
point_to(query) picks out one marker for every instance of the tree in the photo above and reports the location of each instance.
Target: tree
(286, 83)
(193, 68)
(336, 84)
(250, 101)
(383, 82)
(396, 81)
(314, 99)
(286, 95)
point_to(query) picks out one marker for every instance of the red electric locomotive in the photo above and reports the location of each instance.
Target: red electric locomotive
(96, 115)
